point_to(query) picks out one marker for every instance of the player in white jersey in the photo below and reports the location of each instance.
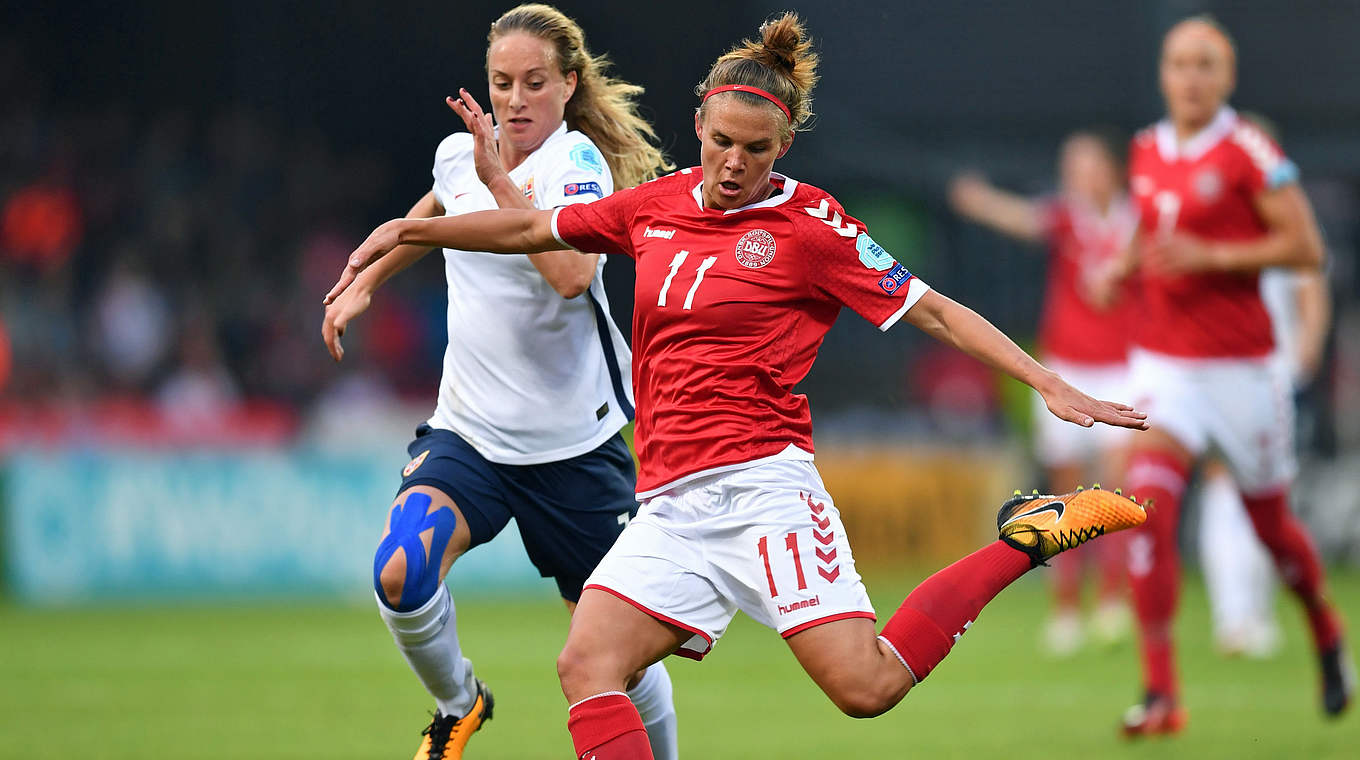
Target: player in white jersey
(536, 375)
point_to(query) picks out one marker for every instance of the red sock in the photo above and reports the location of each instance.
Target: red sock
(938, 611)
(1297, 559)
(1155, 564)
(607, 727)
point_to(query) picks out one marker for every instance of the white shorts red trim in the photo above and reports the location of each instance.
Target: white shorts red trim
(1057, 442)
(1241, 407)
(766, 540)
(695, 648)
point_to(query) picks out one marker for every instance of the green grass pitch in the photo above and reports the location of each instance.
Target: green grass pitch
(310, 681)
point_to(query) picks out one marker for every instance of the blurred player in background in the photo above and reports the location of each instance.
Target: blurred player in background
(535, 385)
(1218, 203)
(1084, 227)
(740, 273)
(1238, 572)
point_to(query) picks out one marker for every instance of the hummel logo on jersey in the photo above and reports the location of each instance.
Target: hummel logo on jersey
(801, 604)
(1056, 507)
(842, 228)
(667, 234)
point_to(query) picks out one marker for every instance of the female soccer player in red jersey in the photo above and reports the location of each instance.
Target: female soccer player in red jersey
(740, 273)
(1085, 227)
(1218, 203)
(530, 433)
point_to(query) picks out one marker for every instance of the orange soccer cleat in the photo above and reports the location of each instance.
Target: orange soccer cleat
(1042, 525)
(446, 736)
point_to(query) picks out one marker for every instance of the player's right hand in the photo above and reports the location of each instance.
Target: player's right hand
(349, 305)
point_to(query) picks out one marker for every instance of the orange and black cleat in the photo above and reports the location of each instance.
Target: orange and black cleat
(446, 736)
(1042, 525)
(1156, 716)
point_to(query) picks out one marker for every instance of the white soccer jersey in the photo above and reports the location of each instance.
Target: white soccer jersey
(1279, 292)
(529, 376)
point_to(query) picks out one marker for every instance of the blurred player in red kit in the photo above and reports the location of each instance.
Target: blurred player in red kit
(1218, 203)
(1085, 227)
(740, 273)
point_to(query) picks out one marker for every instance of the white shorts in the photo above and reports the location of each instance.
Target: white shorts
(1240, 406)
(1058, 442)
(765, 540)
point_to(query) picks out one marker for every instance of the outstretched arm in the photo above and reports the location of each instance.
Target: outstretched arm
(499, 231)
(972, 196)
(345, 302)
(955, 324)
(402, 256)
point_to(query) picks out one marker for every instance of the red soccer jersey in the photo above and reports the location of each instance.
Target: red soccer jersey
(1081, 242)
(1205, 187)
(730, 309)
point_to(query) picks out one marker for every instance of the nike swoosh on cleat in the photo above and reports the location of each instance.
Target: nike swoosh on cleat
(1052, 506)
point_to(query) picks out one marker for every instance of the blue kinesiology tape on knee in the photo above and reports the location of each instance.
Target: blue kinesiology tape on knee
(408, 521)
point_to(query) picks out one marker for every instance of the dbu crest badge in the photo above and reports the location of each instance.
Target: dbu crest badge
(755, 249)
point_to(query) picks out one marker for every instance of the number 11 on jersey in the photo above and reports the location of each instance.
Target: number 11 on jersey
(675, 267)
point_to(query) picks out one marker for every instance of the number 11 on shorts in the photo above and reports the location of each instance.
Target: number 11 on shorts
(790, 543)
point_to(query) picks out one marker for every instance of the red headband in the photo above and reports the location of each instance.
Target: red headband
(754, 91)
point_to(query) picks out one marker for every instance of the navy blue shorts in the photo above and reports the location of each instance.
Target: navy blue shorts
(569, 512)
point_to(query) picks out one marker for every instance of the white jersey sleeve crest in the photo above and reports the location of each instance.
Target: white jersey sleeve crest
(575, 172)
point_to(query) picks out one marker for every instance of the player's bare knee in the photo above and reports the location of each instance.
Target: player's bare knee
(579, 665)
(573, 667)
(863, 704)
(392, 578)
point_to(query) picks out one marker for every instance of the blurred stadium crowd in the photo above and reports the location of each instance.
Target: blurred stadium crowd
(177, 257)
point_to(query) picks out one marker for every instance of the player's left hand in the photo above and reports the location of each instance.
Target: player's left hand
(379, 243)
(486, 157)
(1068, 403)
(1179, 254)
